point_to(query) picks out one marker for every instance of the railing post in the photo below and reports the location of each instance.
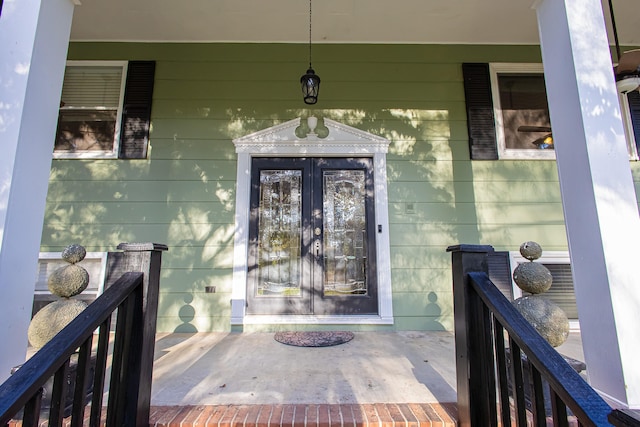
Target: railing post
(465, 259)
(145, 258)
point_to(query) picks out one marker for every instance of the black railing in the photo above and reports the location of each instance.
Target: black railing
(506, 372)
(78, 367)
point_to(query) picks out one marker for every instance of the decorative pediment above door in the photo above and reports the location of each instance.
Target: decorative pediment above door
(311, 136)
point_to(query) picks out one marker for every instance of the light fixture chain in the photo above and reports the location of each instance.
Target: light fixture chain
(310, 81)
(309, 33)
(615, 30)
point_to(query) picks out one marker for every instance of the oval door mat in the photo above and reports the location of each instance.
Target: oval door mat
(313, 339)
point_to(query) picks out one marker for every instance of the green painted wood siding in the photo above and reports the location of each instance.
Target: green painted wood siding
(208, 94)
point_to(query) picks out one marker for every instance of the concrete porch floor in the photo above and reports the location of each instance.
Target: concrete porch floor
(251, 373)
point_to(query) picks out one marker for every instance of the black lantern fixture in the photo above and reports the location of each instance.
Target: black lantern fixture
(310, 82)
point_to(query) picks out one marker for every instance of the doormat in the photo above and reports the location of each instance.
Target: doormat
(313, 339)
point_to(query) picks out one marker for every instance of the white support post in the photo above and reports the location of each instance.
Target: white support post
(598, 195)
(34, 37)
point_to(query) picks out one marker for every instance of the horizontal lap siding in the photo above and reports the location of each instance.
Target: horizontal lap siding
(207, 95)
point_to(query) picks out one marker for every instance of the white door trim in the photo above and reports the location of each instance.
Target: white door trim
(336, 140)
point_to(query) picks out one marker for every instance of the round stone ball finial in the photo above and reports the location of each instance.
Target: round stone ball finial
(65, 282)
(71, 279)
(530, 250)
(68, 281)
(532, 277)
(546, 317)
(74, 253)
(51, 319)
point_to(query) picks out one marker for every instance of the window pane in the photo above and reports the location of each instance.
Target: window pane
(85, 130)
(86, 86)
(525, 112)
(89, 105)
(280, 233)
(345, 255)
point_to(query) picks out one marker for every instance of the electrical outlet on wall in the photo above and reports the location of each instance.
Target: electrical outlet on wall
(409, 208)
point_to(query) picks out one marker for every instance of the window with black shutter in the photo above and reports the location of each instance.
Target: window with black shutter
(105, 110)
(136, 114)
(508, 114)
(480, 119)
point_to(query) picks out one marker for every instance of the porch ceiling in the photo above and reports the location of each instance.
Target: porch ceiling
(334, 21)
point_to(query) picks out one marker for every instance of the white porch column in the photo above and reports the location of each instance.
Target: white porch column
(34, 36)
(600, 208)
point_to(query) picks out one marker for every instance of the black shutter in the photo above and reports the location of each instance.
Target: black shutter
(500, 272)
(480, 119)
(136, 115)
(634, 108)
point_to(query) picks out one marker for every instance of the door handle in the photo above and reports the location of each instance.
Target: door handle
(317, 245)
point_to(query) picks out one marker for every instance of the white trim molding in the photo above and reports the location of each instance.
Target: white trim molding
(338, 140)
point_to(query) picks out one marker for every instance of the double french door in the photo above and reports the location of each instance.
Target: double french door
(312, 237)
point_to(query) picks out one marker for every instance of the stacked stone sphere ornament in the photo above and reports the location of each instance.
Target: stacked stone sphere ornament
(545, 315)
(65, 282)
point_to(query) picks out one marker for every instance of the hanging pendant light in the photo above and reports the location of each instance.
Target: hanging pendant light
(310, 82)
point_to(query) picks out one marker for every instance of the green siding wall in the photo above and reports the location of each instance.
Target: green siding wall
(208, 94)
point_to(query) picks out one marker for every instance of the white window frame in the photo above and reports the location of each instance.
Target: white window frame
(536, 154)
(548, 257)
(503, 151)
(100, 154)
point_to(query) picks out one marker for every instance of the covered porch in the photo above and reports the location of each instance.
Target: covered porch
(597, 189)
(405, 378)
(260, 378)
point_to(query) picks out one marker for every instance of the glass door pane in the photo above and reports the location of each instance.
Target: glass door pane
(345, 255)
(279, 233)
(279, 263)
(312, 237)
(344, 237)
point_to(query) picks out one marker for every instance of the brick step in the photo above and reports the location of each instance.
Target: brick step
(310, 415)
(295, 415)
